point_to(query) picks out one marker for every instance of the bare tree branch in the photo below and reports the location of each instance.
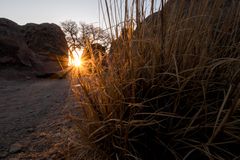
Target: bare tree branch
(78, 36)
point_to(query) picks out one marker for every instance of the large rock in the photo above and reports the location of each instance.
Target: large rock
(12, 45)
(191, 31)
(42, 47)
(45, 37)
(217, 20)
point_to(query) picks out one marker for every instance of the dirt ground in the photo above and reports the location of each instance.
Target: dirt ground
(32, 116)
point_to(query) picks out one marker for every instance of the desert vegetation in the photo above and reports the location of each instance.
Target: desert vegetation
(171, 86)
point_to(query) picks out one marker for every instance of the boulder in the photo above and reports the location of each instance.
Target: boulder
(179, 16)
(45, 38)
(12, 44)
(182, 26)
(41, 47)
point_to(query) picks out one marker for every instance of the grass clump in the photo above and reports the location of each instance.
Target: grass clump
(171, 88)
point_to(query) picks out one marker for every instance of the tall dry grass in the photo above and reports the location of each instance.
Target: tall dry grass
(171, 87)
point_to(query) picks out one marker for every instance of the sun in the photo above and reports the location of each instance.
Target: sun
(75, 58)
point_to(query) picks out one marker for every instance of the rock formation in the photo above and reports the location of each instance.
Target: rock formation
(42, 47)
(177, 17)
(193, 30)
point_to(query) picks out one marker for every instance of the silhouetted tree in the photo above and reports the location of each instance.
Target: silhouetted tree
(71, 30)
(82, 35)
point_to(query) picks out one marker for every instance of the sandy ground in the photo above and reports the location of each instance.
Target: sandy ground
(32, 116)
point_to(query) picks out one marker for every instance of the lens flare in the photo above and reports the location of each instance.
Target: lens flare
(75, 58)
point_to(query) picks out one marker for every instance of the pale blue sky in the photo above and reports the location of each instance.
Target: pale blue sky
(52, 11)
(56, 11)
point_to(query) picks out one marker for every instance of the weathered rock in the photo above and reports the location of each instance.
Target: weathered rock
(11, 41)
(179, 21)
(15, 148)
(45, 38)
(42, 47)
(49, 42)
(30, 130)
(188, 12)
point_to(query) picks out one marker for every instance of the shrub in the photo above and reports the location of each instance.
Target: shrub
(171, 89)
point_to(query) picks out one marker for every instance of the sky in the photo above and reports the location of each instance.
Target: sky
(51, 11)
(57, 11)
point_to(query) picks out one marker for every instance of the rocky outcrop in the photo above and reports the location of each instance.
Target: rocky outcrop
(194, 30)
(45, 38)
(42, 47)
(12, 45)
(178, 16)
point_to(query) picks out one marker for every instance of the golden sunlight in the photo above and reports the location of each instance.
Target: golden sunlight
(75, 58)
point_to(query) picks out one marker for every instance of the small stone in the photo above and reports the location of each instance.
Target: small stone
(58, 134)
(30, 130)
(15, 148)
(3, 154)
(54, 156)
(28, 77)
